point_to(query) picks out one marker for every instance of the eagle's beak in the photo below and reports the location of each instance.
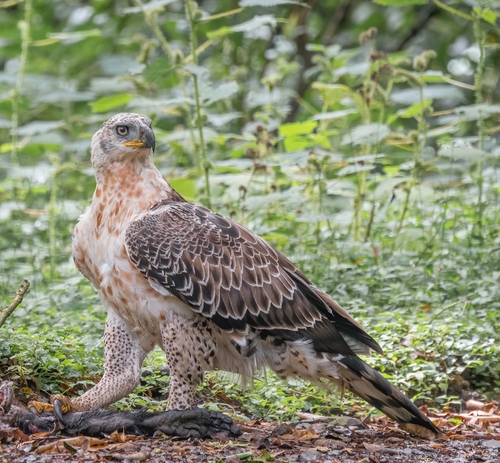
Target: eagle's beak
(145, 140)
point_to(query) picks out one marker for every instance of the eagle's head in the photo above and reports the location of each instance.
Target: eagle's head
(125, 138)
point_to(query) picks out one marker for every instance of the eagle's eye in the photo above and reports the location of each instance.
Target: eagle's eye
(122, 130)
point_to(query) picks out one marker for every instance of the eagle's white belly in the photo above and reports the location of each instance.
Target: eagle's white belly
(103, 259)
(99, 252)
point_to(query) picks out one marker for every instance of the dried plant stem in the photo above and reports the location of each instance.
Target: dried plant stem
(358, 203)
(405, 208)
(24, 27)
(478, 83)
(370, 223)
(448, 307)
(17, 300)
(54, 158)
(199, 121)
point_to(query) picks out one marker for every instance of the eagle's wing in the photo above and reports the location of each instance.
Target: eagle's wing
(230, 275)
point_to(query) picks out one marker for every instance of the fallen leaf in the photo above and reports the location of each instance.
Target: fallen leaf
(372, 448)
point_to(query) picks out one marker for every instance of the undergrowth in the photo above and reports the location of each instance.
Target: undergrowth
(374, 168)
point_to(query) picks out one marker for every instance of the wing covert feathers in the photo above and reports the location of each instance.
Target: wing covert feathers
(230, 275)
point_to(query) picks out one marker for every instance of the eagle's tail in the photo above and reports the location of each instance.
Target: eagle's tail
(362, 380)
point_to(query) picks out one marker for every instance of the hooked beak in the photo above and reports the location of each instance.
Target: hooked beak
(146, 140)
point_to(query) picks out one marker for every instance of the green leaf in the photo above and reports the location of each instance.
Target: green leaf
(297, 143)
(152, 5)
(354, 169)
(247, 26)
(472, 154)
(333, 114)
(109, 102)
(332, 93)
(185, 187)
(400, 2)
(156, 69)
(414, 110)
(385, 188)
(223, 91)
(219, 32)
(297, 128)
(488, 15)
(475, 111)
(368, 134)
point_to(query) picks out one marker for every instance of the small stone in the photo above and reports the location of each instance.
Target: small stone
(282, 429)
(389, 450)
(330, 443)
(348, 421)
(303, 426)
(491, 444)
(309, 455)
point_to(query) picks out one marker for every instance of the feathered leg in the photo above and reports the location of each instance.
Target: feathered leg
(190, 351)
(122, 368)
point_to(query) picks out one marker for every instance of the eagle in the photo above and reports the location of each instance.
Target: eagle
(211, 293)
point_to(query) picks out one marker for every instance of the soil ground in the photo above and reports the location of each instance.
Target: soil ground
(302, 442)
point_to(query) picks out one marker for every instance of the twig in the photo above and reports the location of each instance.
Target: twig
(447, 307)
(17, 300)
(370, 223)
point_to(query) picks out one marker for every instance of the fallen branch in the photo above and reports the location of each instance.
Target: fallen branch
(17, 300)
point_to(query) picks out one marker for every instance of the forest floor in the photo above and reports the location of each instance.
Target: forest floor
(325, 440)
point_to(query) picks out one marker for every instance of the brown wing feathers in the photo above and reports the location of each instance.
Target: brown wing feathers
(227, 273)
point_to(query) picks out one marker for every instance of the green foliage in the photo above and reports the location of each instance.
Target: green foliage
(366, 154)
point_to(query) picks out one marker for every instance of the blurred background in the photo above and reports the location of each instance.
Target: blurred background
(358, 137)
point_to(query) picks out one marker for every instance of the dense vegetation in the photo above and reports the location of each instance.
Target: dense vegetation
(359, 138)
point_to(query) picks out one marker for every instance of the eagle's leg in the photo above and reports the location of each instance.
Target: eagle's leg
(190, 350)
(122, 367)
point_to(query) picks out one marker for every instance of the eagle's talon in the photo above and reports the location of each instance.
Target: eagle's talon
(65, 405)
(58, 411)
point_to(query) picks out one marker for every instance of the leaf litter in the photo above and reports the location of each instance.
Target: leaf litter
(470, 436)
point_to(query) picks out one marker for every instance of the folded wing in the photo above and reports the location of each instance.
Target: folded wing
(232, 276)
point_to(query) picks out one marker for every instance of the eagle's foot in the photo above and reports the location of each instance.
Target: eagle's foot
(66, 405)
(40, 407)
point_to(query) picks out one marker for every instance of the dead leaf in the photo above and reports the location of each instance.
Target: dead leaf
(85, 445)
(372, 448)
(474, 405)
(131, 457)
(69, 448)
